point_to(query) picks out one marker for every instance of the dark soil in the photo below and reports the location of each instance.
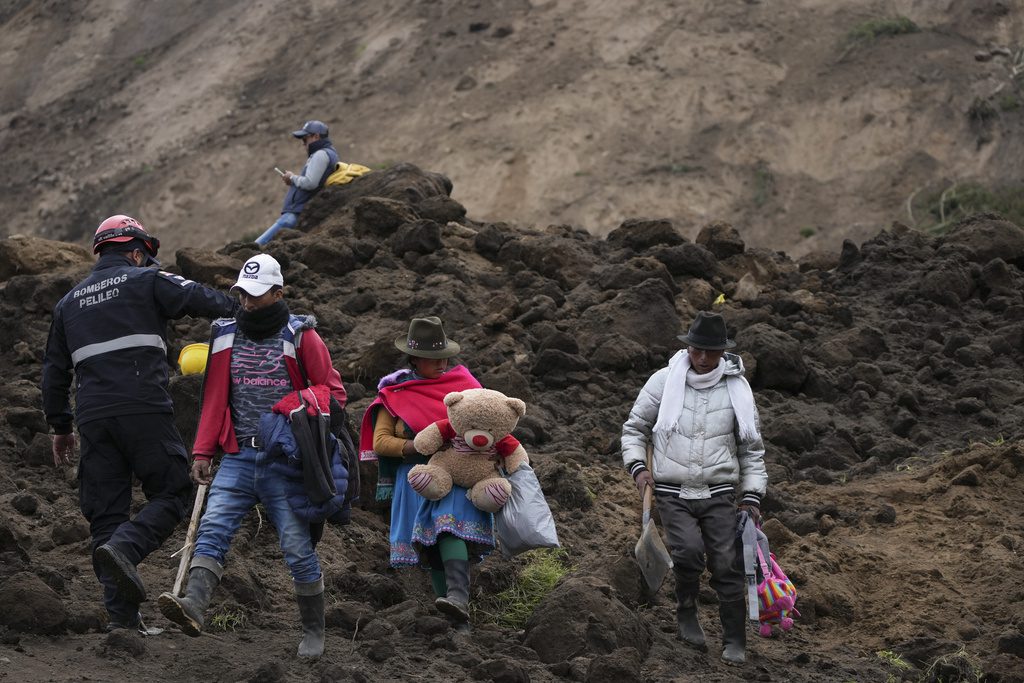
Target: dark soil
(888, 376)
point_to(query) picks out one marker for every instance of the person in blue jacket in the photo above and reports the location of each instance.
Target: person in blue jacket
(321, 161)
(109, 332)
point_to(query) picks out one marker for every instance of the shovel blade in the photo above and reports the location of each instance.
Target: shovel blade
(653, 557)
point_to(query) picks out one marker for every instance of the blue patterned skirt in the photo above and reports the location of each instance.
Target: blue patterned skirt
(417, 522)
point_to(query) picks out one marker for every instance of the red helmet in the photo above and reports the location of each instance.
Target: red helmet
(121, 228)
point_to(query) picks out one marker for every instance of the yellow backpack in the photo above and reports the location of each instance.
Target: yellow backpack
(345, 173)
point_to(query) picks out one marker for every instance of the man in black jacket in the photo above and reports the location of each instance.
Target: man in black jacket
(110, 331)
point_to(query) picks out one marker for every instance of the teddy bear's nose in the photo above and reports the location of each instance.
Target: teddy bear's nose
(480, 440)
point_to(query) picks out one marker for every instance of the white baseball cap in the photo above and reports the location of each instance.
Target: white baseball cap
(258, 275)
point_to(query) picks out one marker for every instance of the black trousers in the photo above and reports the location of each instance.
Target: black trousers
(703, 528)
(113, 451)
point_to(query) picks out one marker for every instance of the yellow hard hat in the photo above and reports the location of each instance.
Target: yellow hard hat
(192, 359)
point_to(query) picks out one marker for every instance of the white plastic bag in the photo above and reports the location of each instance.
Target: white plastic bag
(525, 521)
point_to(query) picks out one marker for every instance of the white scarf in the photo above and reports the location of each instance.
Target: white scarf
(680, 375)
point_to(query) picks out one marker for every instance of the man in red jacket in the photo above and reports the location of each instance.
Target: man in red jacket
(256, 359)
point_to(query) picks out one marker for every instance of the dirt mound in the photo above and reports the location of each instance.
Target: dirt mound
(888, 377)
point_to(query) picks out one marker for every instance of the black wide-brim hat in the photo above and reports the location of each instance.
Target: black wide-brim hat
(708, 332)
(426, 339)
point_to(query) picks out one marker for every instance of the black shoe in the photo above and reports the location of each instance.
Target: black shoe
(129, 586)
(136, 626)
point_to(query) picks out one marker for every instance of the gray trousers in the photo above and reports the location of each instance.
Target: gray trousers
(699, 528)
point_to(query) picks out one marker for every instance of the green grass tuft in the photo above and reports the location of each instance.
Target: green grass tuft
(512, 607)
(1009, 102)
(883, 26)
(764, 183)
(228, 621)
(945, 208)
(956, 666)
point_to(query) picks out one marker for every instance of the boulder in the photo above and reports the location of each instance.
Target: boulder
(721, 239)
(24, 255)
(28, 605)
(780, 363)
(582, 616)
(640, 234)
(207, 267)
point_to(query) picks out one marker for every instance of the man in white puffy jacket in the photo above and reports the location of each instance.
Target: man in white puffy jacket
(699, 416)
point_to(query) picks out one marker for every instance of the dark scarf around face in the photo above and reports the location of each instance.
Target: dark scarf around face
(263, 322)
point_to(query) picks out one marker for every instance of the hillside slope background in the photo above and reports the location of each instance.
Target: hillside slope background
(805, 121)
(887, 368)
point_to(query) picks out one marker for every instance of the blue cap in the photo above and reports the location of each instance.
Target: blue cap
(311, 128)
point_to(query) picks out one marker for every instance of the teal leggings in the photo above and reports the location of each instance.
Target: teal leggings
(448, 548)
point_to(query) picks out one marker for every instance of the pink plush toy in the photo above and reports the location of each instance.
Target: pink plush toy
(776, 596)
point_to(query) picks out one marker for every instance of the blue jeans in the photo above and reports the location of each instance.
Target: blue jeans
(243, 480)
(287, 220)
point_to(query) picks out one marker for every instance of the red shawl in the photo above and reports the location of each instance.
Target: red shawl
(416, 402)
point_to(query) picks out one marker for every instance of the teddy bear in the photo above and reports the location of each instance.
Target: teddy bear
(467, 447)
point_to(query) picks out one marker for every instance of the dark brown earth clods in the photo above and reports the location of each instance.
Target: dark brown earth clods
(888, 377)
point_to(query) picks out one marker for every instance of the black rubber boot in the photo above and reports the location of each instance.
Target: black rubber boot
(311, 612)
(456, 603)
(689, 630)
(734, 631)
(187, 612)
(119, 568)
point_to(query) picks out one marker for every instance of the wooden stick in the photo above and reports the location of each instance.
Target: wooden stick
(190, 540)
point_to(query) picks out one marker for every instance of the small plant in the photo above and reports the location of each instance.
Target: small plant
(981, 110)
(1009, 102)
(908, 464)
(894, 661)
(936, 211)
(764, 183)
(228, 621)
(884, 26)
(954, 667)
(673, 168)
(139, 62)
(513, 606)
(807, 232)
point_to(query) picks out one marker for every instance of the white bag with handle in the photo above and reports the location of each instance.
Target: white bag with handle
(525, 521)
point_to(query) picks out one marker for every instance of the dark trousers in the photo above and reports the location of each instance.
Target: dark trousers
(703, 528)
(113, 450)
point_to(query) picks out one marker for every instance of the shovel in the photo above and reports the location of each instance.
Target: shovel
(651, 554)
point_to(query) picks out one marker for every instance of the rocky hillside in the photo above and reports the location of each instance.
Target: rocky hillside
(888, 377)
(805, 121)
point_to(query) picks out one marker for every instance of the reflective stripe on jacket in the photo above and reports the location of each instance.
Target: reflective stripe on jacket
(110, 332)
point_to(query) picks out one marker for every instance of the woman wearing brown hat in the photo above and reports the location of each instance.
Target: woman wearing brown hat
(442, 534)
